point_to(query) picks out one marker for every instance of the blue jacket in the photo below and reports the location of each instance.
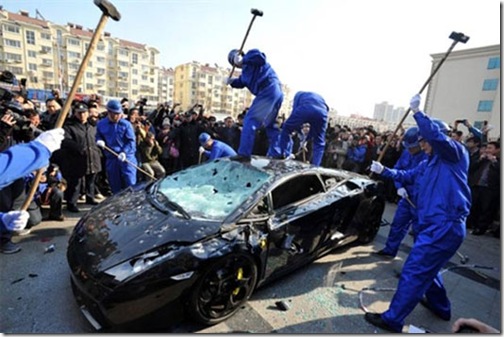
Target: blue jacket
(408, 161)
(256, 74)
(357, 153)
(119, 136)
(219, 150)
(440, 180)
(20, 160)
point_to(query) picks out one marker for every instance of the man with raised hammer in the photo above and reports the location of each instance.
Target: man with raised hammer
(262, 81)
(443, 200)
(308, 107)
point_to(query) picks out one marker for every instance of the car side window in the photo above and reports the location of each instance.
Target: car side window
(261, 209)
(296, 189)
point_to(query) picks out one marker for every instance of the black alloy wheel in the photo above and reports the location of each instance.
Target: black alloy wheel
(222, 288)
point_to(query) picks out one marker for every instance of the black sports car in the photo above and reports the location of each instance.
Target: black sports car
(204, 238)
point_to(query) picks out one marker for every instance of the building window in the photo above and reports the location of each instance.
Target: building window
(12, 43)
(123, 52)
(12, 29)
(490, 84)
(45, 36)
(485, 106)
(73, 42)
(494, 63)
(101, 46)
(13, 57)
(32, 53)
(32, 66)
(134, 71)
(100, 59)
(45, 50)
(89, 86)
(72, 54)
(122, 64)
(89, 75)
(135, 82)
(100, 71)
(48, 74)
(73, 66)
(47, 62)
(30, 37)
(134, 58)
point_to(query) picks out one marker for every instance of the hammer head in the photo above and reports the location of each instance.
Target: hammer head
(108, 9)
(459, 37)
(257, 12)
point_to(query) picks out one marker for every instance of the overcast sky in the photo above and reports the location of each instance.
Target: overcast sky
(354, 53)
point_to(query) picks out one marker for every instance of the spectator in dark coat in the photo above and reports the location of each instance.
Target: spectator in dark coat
(82, 157)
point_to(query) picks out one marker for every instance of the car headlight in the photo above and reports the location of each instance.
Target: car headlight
(138, 264)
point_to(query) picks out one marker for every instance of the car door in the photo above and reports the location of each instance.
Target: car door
(298, 222)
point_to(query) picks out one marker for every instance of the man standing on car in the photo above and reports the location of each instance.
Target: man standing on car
(443, 202)
(262, 81)
(117, 134)
(308, 107)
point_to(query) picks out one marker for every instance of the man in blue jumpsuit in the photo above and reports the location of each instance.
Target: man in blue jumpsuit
(117, 134)
(262, 81)
(405, 214)
(19, 161)
(308, 107)
(214, 149)
(443, 201)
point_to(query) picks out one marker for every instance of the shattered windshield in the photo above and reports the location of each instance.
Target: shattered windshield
(213, 190)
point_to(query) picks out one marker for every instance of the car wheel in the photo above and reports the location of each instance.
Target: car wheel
(222, 288)
(370, 211)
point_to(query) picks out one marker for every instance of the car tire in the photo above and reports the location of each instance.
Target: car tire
(370, 212)
(224, 286)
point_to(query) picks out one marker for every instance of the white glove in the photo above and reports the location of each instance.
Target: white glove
(51, 139)
(201, 149)
(238, 59)
(15, 220)
(415, 103)
(377, 167)
(229, 81)
(122, 156)
(291, 156)
(100, 143)
(402, 193)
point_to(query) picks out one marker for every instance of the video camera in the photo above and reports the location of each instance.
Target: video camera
(8, 105)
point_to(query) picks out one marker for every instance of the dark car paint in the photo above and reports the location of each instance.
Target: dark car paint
(309, 226)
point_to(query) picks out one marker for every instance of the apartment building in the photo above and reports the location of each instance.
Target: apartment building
(467, 86)
(166, 84)
(49, 55)
(197, 83)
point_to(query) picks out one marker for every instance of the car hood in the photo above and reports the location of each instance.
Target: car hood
(127, 225)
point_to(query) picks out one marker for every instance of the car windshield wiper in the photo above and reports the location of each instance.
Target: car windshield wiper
(157, 195)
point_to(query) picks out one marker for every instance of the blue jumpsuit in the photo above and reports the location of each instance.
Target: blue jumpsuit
(443, 202)
(20, 160)
(262, 81)
(308, 107)
(120, 137)
(219, 150)
(405, 213)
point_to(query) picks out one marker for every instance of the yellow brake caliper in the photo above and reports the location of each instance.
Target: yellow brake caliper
(239, 277)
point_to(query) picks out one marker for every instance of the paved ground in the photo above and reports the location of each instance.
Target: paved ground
(323, 297)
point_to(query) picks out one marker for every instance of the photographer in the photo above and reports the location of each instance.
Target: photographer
(475, 132)
(50, 192)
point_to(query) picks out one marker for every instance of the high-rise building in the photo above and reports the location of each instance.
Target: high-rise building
(383, 112)
(166, 84)
(49, 55)
(197, 83)
(467, 86)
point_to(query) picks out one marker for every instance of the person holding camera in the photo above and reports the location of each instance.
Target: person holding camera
(485, 189)
(150, 151)
(50, 192)
(258, 76)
